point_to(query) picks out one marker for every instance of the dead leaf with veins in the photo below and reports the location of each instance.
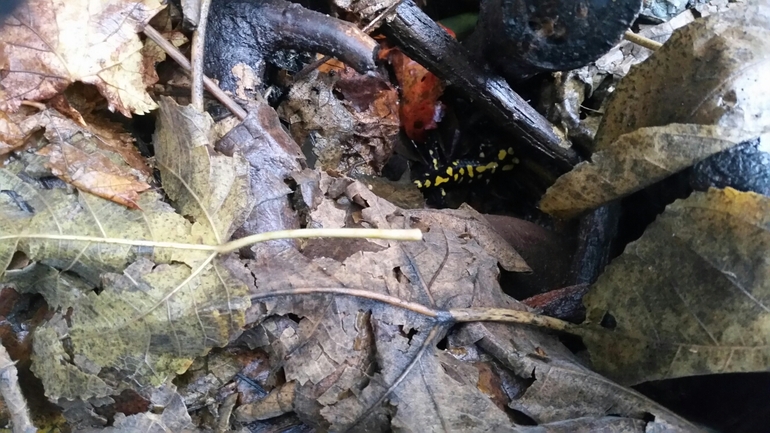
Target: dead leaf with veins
(688, 298)
(702, 92)
(46, 45)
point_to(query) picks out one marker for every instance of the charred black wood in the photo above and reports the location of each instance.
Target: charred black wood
(596, 235)
(423, 40)
(245, 31)
(524, 37)
(745, 167)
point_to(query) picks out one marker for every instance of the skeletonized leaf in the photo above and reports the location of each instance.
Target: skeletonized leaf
(710, 73)
(691, 296)
(47, 45)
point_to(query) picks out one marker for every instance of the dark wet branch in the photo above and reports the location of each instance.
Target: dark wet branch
(244, 31)
(423, 40)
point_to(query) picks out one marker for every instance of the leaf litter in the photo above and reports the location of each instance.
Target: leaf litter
(709, 76)
(353, 341)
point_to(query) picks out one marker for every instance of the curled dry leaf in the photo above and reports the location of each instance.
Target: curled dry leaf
(92, 172)
(710, 73)
(48, 45)
(690, 297)
(97, 158)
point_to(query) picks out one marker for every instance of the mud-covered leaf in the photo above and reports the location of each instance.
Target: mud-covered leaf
(48, 45)
(210, 187)
(710, 73)
(688, 298)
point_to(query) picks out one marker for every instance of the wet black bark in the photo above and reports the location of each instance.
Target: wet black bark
(524, 37)
(244, 31)
(423, 40)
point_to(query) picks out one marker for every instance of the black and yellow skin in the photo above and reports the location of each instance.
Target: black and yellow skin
(439, 175)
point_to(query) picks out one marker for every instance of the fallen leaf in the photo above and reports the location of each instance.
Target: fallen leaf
(349, 119)
(47, 45)
(155, 303)
(12, 136)
(92, 172)
(204, 184)
(634, 161)
(710, 73)
(688, 298)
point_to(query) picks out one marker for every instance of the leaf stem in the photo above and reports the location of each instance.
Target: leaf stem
(641, 40)
(456, 315)
(388, 234)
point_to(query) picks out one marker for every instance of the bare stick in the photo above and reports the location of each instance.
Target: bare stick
(197, 54)
(11, 392)
(210, 85)
(369, 27)
(641, 40)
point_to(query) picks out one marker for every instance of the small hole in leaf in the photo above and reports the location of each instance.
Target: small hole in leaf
(442, 345)
(608, 321)
(412, 332)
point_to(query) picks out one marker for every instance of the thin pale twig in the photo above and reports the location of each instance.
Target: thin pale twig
(210, 85)
(197, 54)
(641, 40)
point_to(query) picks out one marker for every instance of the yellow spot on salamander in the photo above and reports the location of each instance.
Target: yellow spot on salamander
(508, 167)
(502, 154)
(462, 172)
(449, 171)
(435, 164)
(456, 176)
(491, 166)
(470, 170)
(440, 180)
(427, 183)
(443, 193)
(418, 183)
(510, 150)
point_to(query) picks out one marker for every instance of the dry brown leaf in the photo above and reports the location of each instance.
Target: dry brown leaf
(367, 366)
(12, 135)
(466, 221)
(92, 172)
(690, 297)
(48, 45)
(710, 73)
(355, 134)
